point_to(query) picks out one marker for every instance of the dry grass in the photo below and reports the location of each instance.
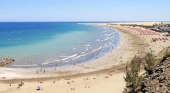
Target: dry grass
(150, 63)
(166, 55)
(133, 79)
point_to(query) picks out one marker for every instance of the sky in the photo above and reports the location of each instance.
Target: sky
(84, 10)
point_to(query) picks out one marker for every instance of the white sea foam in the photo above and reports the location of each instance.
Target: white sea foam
(86, 53)
(76, 57)
(68, 57)
(65, 58)
(73, 55)
(50, 61)
(66, 61)
(25, 65)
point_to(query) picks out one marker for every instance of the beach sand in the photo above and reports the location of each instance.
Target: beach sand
(102, 75)
(143, 23)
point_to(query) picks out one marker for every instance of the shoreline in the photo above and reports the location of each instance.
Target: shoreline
(86, 67)
(105, 71)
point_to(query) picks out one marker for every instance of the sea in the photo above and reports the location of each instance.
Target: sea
(53, 44)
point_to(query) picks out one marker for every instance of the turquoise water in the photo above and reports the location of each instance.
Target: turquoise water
(37, 44)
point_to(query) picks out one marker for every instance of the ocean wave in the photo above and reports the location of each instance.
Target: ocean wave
(24, 65)
(66, 61)
(76, 57)
(68, 57)
(82, 54)
(49, 63)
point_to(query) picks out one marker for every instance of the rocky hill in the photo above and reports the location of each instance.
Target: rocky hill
(159, 81)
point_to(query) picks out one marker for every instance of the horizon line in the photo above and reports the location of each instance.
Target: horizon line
(85, 21)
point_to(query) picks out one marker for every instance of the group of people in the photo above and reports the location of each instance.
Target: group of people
(40, 71)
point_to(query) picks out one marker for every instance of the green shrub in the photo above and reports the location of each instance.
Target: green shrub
(167, 54)
(150, 63)
(133, 79)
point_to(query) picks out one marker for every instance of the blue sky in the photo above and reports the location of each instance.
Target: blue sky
(84, 10)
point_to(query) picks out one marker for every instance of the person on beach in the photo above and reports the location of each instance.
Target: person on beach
(22, 83)
(44, 70)
(125, 90)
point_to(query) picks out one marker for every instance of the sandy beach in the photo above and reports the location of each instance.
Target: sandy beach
(102, 75)
(143, 23)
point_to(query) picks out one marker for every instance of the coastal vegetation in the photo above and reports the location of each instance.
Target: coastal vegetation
(166, 55)
(150, 61)
(159, 80)
(155, 73)
(133, 78)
